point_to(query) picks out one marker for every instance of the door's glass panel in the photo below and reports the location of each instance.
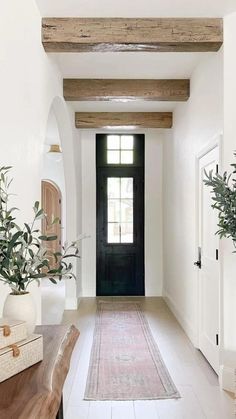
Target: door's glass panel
(120, 210)
(127, 233)
(113, 188)
(113, 157)
(127, 142)
(127, 157)
(113, 142)
(127, 210)
(114, 210)
(127, 187)
(113, 233)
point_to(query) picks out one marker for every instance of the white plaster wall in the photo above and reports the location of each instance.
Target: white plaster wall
(78, 192)
(196, 122)
(153, 212)
(88, 261)
(28, 83)
(229, 147)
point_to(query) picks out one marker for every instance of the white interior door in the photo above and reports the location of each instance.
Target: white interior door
(209, 271)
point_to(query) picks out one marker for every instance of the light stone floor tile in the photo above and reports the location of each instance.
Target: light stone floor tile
(186, 407)
(123, 410)
(99, 410)
(145, 409)
(80, 411)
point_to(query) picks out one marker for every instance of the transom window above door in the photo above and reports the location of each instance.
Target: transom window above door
(120, 149)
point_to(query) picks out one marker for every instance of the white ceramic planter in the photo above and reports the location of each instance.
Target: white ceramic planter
(21, 307)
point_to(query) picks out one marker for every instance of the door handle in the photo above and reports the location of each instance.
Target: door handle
(198, 264)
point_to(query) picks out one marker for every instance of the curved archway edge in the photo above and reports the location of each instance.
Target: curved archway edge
(60, 111)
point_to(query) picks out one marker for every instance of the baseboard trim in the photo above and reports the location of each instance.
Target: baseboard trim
(227, 378)
(71, 303)
(181, 318)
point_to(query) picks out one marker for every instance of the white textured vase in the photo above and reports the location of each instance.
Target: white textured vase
(21, 307)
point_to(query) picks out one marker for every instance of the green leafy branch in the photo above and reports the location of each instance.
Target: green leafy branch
(224, 201)
(24, 257)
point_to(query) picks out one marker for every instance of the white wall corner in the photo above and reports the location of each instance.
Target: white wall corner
(184, 323)
(227, 378)
(71, 303)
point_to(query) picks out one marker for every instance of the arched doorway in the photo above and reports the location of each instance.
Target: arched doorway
(53, 200)
(61, 173)
(52, 205)
(71, 226)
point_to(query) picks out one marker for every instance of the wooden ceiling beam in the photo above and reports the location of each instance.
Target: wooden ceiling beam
(132, 34)
(123, 119)
(125, 90)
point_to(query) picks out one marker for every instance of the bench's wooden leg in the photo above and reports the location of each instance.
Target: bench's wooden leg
(60, 411)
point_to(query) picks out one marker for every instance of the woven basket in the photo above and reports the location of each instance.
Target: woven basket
(11, 331)
(17, 358)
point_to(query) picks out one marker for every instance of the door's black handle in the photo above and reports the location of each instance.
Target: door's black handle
(198, 264)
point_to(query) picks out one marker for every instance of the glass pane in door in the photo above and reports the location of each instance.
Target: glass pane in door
(120, 210)
(126, 157)
(126, 232)
(126, 211)
(113, 211)
(127, 187)
(113, 233)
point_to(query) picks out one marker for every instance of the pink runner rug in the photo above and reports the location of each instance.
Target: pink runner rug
(125, 361)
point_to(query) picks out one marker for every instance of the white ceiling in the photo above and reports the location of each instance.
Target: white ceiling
(128, 64)
(136, 8)
(139, 106)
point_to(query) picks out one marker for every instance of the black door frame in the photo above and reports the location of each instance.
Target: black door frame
(103, 171)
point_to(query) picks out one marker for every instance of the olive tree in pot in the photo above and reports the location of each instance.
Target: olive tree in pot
(24, 258)
(224, 200)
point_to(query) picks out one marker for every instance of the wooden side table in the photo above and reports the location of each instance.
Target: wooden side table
(36, 393)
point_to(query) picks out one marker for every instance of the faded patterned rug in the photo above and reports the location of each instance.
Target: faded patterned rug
(125, 361)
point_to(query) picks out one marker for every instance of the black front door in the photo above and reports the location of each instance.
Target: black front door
(120, 214)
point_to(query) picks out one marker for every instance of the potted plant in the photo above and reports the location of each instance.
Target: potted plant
(24, 258)
(224, 198)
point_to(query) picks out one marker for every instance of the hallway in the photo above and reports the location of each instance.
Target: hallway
(194, 378)
(113, 115)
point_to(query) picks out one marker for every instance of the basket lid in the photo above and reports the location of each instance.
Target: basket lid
(10, 322)
(29, 339)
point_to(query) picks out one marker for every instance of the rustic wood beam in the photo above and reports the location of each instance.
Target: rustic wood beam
(123, 119)
(132, 34)
(128, 90)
